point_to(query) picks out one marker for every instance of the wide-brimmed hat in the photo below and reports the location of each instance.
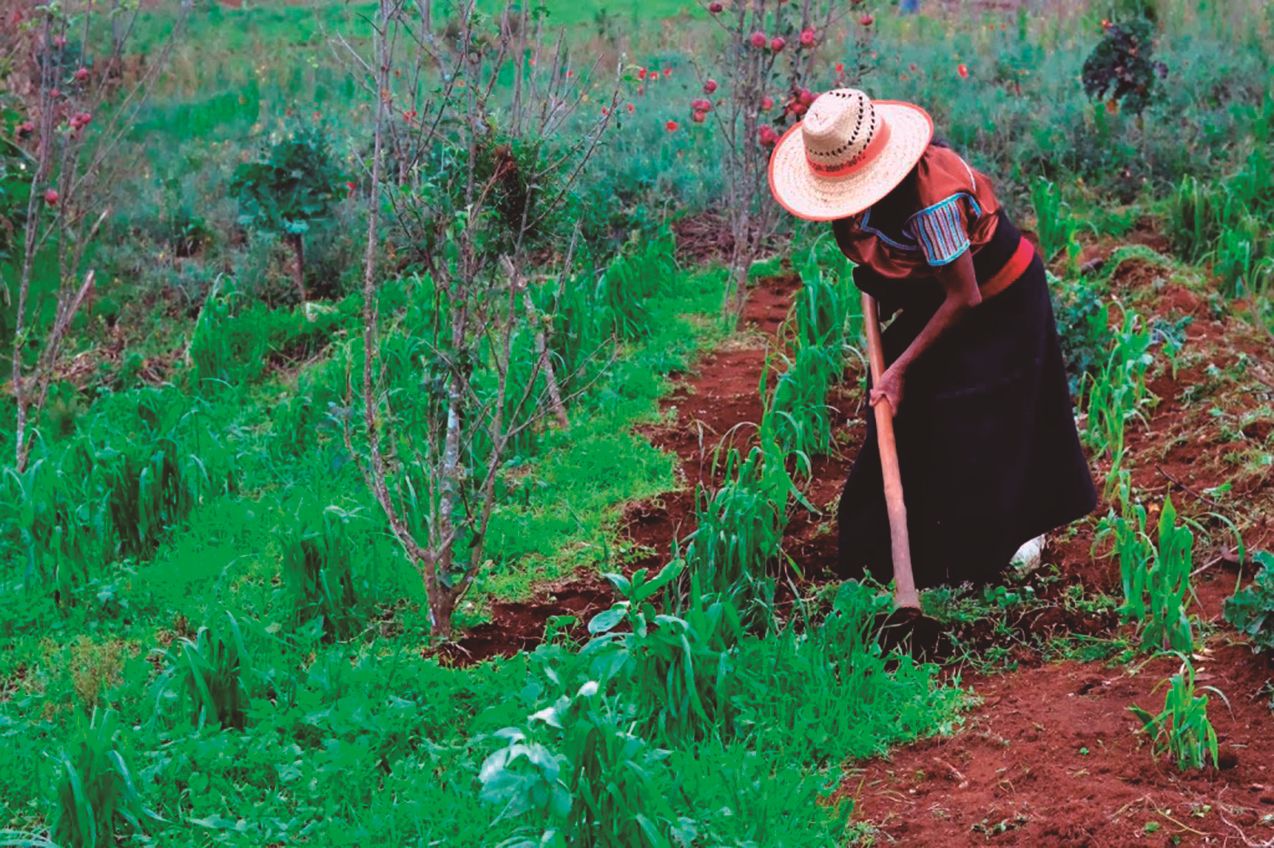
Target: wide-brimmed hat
(848, 153)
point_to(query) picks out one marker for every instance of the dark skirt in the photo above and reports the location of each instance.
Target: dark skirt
(987, 444)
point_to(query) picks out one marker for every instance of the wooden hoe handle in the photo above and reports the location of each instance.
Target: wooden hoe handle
(905, 594)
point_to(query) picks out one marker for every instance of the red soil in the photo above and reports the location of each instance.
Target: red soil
(1053, 758)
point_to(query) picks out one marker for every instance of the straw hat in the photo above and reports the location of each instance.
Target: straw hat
(848, 153)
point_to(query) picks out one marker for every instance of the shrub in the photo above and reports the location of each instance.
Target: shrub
(287, 189)
(1121, 68)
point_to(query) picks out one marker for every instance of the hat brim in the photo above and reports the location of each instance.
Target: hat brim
(805, 194)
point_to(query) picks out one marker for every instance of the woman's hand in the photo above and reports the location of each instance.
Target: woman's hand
(889, 388)
(961, 294)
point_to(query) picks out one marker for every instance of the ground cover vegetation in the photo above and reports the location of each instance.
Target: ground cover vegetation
(331, 330)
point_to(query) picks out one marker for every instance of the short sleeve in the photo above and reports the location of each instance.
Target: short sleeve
(947, 189)
(942, 231)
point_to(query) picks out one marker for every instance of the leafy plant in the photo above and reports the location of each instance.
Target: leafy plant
(591, 782)
(1083, 325)
(319, 574)
(1251, 609)
(208, 672)
(1155, 575)
(287, 189)
(1055, 224)
(674, 667)
(1121, 68)
(93, 788)
(1182, 730)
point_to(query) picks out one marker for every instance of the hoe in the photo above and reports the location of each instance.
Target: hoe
(907, 625)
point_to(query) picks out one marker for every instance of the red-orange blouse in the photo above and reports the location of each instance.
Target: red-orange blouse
(955, 211)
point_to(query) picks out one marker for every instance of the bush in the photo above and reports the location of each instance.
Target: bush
(1121, 68)
(287, 189)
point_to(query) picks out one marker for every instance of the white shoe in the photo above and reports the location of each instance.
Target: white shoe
(1027, 558)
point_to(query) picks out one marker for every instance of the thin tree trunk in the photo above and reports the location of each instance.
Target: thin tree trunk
(546, 363)
(44, 155)
(441, 597)
(298, 265)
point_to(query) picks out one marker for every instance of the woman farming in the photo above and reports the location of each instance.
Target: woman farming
(986, 438)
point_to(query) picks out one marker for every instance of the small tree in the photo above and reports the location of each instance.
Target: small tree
(1121, 69)
(62, 64)
(760, 82)
(478, 175)
(291, 186)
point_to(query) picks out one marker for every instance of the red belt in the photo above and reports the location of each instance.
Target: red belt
(1012, 270)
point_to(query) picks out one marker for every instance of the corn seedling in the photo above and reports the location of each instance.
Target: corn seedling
(579, 770)
(1195, 215)
(1225, 222)
(115, 488)
(1056, 226)
(737, 541)
(1155, 574)
(318, 572)
(1244, 258)
(95, 801)
(1182, 730)
(209, 673)
(796, 415)
(1118, 391)
(632, 278)
(824, 309)
(1168, 585)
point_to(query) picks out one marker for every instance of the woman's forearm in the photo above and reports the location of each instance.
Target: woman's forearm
(960, 287)
(952, 310)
